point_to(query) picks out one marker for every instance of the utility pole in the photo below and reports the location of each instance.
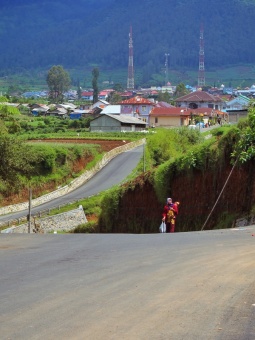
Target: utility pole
(29, 210)
(144, 157)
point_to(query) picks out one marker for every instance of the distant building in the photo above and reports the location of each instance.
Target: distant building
(199, 99)
(179, 116)
(163, 116)
(115, 123)
(112, 109)
(39, 109)
(237, 108)
(87, 95)
(137, 107)
(239, 103)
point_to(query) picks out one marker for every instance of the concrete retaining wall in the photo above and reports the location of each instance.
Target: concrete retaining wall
(62, 222)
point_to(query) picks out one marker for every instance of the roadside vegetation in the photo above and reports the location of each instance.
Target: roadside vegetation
(178, 156)
(28, 161)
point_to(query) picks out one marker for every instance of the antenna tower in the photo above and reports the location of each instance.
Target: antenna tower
(201, 69)
(130, 81)
(166, 68)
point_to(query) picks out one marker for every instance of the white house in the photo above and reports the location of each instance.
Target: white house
(239, 103)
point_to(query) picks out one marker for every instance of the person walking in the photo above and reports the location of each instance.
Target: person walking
(169, 215)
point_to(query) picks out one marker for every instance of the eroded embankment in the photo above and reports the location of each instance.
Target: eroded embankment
(139, 209)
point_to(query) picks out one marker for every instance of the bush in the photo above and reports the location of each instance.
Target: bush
(89, 227)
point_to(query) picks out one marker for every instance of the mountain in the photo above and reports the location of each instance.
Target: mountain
(83, 33)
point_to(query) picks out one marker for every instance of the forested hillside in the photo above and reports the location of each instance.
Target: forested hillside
(82, 33)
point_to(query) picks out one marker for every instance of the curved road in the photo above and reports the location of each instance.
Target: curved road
(111, 174)
(183, 286)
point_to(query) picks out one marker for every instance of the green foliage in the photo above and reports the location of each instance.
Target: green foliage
(7, 111)
(86, 228)
(95, 74)
(3, 99)
(226, 220)
(245, 147)
(164, 97)
(16, 158)
(58, 81)
(180, 90)
(109, 208)
(167, 144)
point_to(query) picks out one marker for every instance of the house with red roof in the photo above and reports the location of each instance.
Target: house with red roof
(165, 116)
(104, 94)
(178, 116)
(87, 95)
(137, 107)
(200, 99)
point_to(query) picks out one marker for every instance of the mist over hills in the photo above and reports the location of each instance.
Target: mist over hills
(82, 33)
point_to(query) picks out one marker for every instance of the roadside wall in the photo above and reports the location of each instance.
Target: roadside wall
(61, 222)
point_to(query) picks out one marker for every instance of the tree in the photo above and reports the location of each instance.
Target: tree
(164, 97)
(95, 73)
(114, 98)
(17, 160)
(180, 90)
(78, 89)
(7, 112)
(58, 81)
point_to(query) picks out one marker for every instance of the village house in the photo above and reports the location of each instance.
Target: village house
(114, 123)
(239, 103)
(87, 95)
(237, 108)
(39, 109)
(200, 99)
(60, 112)
(163, 116)
(104, 94)
(137, 107)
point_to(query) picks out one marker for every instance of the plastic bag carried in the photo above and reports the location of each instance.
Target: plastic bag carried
(162, 228)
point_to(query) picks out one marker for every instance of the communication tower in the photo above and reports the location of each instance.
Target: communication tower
(166, 68)
(201, 69)
(130, 81)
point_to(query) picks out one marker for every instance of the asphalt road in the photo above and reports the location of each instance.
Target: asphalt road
(189, 286)
(111, 174)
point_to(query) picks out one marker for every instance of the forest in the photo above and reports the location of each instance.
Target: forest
(82, 34)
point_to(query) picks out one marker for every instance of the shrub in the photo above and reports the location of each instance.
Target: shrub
(89, 227)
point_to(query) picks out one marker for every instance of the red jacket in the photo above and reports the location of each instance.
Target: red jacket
(173, 207)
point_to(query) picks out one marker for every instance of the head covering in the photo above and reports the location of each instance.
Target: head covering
(168, 199)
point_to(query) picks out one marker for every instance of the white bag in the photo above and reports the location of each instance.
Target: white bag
(162, 228)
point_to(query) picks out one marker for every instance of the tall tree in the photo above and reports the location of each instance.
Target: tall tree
(58, 81)
(180, 90)
(95, 74)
